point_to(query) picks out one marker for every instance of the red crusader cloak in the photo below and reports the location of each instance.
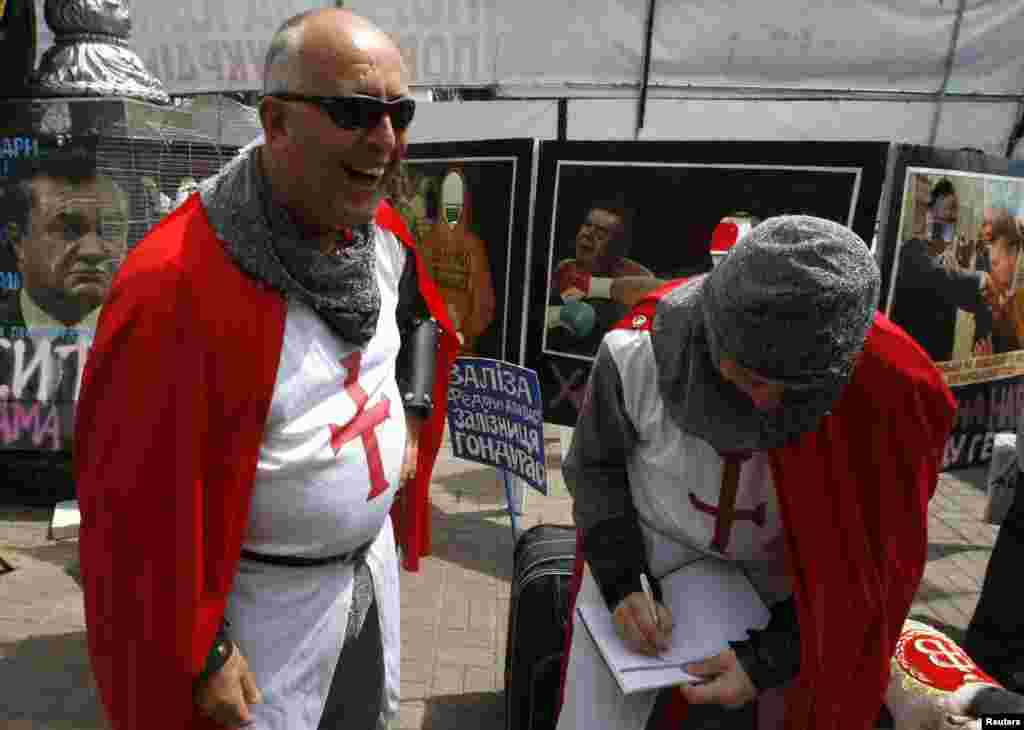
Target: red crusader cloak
(853, 497)
(174, 400)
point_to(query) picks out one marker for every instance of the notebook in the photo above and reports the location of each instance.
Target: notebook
(712, 603)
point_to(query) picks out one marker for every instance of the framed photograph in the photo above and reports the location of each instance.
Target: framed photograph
(955, 234)
(71, 208)
(468, 204)
(615, 221)
(64, 227)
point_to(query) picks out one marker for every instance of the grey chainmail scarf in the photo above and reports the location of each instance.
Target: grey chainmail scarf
(266, 244)
(792, 301)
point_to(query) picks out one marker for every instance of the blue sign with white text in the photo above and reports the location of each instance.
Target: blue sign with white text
(495, 417)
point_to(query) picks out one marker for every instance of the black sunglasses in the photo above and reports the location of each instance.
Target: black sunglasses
(359, 111)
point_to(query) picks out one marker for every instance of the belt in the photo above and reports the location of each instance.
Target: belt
(295, 561)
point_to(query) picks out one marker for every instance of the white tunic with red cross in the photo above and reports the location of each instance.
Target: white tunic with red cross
(327, 475)
(677, 481)
(676, 484)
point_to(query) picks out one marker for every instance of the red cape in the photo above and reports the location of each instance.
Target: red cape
(164, 472)
(411, 512)
(853, 497)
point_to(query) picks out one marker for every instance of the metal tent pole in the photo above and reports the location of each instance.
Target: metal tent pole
(950, 59)
(642, 104)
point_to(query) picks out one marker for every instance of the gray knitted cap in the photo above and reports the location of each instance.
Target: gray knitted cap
(792, 301)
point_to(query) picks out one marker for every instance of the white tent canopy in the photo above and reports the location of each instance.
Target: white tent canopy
(937, 72)
(942, 72)
(898, 45)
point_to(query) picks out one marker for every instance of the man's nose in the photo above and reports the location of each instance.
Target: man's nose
(92, 246)
(383, 134)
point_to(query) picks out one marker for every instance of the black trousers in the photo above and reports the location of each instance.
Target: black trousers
(356, 697)
(995, 636)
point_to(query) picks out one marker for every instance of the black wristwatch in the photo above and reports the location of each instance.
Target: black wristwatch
(220, 652)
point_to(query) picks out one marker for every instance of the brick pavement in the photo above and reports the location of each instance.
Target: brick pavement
(454, 611)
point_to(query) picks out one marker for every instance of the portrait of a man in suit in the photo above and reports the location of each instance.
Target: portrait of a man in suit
(65, 230)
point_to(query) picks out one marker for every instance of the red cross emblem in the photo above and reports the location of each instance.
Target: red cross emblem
(362, 424)
(568, 388)
(726, 513)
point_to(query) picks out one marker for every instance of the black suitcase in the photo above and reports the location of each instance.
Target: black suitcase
(538, 611)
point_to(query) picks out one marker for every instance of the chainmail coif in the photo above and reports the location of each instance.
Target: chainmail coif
(265, 243)
(792, 301)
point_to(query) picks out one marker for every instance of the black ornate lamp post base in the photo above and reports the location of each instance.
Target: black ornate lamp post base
(91, 55)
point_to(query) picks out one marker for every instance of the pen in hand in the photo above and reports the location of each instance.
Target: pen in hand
(650, 600)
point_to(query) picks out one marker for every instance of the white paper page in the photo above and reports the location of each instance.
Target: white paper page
(712, 603)
(630, 680)
(644, 679)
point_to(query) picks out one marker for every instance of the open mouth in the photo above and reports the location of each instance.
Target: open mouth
(367, 176)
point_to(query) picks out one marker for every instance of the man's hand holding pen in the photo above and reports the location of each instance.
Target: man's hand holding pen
(646, 627)
(643, 624)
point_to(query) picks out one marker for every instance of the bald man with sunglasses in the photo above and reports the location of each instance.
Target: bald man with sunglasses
(260, 395)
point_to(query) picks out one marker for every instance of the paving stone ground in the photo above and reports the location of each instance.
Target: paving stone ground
(454, 610)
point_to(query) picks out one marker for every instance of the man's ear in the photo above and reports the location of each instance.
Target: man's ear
(273, 114)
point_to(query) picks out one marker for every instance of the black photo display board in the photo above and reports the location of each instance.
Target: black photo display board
(952, 262)
(468, 206)
(614, 220)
